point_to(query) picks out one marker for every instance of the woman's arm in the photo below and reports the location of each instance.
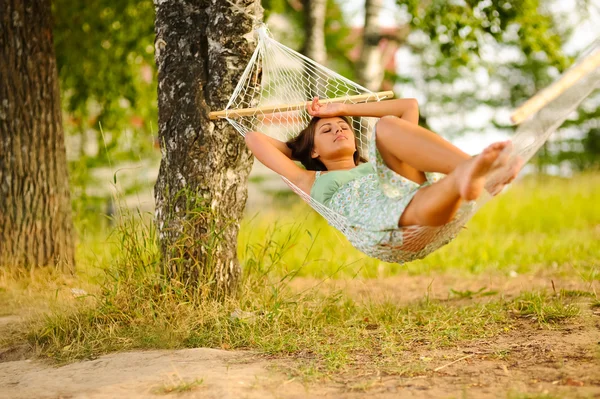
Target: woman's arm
(280, 145)
(271, 153)
(405, 108)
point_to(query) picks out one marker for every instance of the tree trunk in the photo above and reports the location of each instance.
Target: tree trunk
(370, 70)
(35, 210)
(202, 48)
(314, 27)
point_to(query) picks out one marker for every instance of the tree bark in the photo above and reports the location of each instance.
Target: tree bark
(202, 48)
(314, 27)
(35, 211)
(370, 70)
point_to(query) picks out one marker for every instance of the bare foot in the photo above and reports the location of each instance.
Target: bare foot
(472, 177)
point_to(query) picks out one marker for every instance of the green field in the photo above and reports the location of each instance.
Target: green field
(536, 224)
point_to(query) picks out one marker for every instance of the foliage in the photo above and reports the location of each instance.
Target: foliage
(491, 56)
(105, 58)
(580, 143)
(103, 50)
(286, 21)
(513, 42)
(458, 29)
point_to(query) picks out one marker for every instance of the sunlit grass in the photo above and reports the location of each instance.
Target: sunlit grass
(537, 226)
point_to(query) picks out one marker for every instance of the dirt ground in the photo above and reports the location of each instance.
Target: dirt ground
(527, 362)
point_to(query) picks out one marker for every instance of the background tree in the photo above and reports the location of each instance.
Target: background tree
(369, 68)
(201, 188)
(287, 19)
(314, 21)
(105, 59)
(35, 211)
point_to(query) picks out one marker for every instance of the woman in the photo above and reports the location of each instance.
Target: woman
(401, 185)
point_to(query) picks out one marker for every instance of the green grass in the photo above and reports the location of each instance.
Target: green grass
(539, 307)
(540, 226)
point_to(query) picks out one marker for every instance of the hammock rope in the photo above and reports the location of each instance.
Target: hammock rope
(278, 81)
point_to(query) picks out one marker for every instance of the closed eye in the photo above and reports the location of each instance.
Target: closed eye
(327, 129)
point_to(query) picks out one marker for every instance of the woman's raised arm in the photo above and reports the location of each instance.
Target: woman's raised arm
(405, 108)
(276, 155)
(280, 145)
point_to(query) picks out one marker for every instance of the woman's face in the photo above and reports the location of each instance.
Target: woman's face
(334, 139)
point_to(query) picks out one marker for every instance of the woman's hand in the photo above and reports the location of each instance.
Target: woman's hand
(326, 110)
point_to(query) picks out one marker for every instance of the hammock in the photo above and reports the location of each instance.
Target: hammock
(275, 86)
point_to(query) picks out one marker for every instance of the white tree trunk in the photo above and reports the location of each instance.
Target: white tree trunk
(314, 27)
(370, 69)
(202, 48)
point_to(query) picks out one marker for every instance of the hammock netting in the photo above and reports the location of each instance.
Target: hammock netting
(275, 86)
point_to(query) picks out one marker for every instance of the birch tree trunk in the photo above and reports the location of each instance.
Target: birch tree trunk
(202, 48)
(370, 70)
(35, 210)
(314, 27)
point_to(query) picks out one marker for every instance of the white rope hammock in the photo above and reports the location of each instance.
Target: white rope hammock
(275, 86)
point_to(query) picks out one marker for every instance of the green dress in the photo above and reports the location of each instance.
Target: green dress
(371, 197)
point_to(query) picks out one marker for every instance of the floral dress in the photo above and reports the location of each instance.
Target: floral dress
(371, 197)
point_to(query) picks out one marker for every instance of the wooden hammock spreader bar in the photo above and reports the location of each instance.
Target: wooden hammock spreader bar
(535, 103)
(269, 109)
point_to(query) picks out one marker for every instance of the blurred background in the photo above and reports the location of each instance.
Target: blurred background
(468, 63)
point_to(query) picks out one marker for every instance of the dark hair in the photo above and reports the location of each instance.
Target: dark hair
(302, 146)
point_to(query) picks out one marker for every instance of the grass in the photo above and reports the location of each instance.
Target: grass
(540, 226)
(539, 307)
(179, 386)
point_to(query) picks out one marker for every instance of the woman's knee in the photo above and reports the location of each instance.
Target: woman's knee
(389, 126)
(384, 129)
(386, 122)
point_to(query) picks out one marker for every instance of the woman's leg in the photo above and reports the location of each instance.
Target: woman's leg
(437, 204)
(410, 149)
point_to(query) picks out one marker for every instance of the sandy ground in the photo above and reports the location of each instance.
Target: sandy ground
(406, 288)
(146, 374)
(562, 362)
